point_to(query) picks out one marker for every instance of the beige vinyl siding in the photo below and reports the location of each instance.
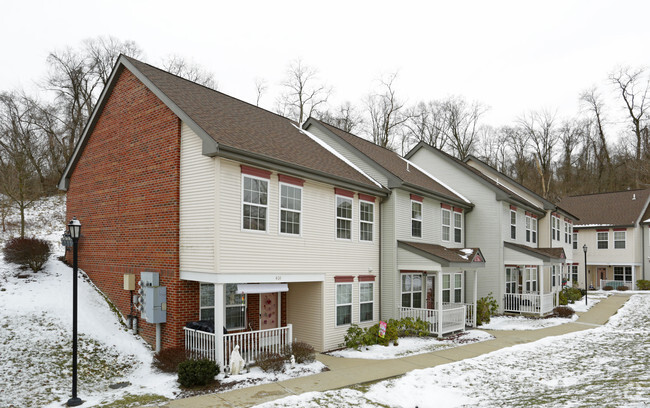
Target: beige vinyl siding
(513, 257)
(521, 225)
(407, 260)
(350, 153)
(197, 205)
(483, 225)
(610, 256)
(305, 312)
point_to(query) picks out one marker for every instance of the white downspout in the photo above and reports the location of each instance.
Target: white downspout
(219, 312)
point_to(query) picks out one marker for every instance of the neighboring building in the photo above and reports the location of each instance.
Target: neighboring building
(426, 266)
(524, 262)
(612, 226)
(248, 221)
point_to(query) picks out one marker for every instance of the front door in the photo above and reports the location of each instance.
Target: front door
(269, 318)
(602, 272)
(431, 292)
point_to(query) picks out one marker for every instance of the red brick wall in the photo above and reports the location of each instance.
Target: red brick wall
(125, 192)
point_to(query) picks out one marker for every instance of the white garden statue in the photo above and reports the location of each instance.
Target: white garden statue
(236, 362)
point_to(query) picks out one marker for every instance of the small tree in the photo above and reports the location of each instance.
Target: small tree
(29, 252)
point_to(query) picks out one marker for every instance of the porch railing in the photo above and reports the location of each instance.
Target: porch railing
(251, 343)
(470, 319)
(617, 283)
(528, 303)
(440, 322)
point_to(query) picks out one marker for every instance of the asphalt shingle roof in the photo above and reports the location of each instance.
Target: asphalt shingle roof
(460, 255)
(614, 208)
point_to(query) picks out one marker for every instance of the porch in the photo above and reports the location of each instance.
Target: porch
(452, 317)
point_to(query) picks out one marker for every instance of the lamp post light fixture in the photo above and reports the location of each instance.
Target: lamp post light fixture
(584, 248)
(74, 229)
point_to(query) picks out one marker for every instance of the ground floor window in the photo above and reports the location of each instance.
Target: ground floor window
(452, 288)
(530, 280)
(366, 301)
(574, 273)
(623, 273)
(412, 290)
(458, 288)
(343, 303)
(206, 304)
(511, 280)
(235, 308)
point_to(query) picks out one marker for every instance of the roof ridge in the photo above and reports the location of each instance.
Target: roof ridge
(131, 59)
(609, 192)
(353, 135)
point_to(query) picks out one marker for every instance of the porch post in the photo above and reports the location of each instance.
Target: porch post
(541, 286)
(439, 300)
(475, 297)
(219, 303)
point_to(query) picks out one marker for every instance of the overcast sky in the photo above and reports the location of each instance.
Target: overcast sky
(514, 56)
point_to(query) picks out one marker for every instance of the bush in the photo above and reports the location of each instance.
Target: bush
(643, 284)
(563, 298)
(197, 372)
(409, 327)
(622, 288)
(563, 311)
(356, 337)
(271, 362)
(486, 307)
(571, 295)
(303, 352)
(608, 287)
(167, 360)
(28, 252)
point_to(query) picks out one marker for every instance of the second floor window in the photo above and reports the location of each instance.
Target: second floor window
(343, 217)
(255, 203)
(575, 240)
(416, 219)
(446, 224)
(619, 239)
(513, 224)
(534, 230)
(603, 240)
(290, 209)
(555, 225)
(366, 220)
(458, 226)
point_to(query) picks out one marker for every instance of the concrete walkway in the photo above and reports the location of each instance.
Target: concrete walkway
(346, 372)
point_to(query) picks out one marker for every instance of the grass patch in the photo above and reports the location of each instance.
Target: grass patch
(129, 401)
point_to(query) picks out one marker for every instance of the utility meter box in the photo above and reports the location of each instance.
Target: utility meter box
(129, 281)
(155, 304)
(149, 279)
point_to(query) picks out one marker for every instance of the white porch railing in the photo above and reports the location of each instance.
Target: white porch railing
(528, 303)
(251, 343)
(470, 318)
(616, 283)
(448, 320)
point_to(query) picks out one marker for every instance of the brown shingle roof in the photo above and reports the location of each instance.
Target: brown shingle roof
(393, 163)
(615, 208)
(452, 255)
(553, 253)
(240, 125)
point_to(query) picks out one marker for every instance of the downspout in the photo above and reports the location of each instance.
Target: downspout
(380, 235)
(643, 258)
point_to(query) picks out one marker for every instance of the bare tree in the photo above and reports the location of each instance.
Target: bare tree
(346, 117)
(386, 113)
(425, 123)
(102, 54)
(177, 65)
(491, 147)
(304, 94)
(542, 136)
(516, 141)
(461, 123)
(260, 87)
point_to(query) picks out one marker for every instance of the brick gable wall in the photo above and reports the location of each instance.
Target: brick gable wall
(125, 192)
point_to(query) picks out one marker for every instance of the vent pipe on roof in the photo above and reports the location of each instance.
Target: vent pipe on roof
(407, 167)
(633, 197)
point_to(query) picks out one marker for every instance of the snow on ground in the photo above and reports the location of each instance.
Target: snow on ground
(592, 299)
(524, 323)
(413, 345)
(605, 366)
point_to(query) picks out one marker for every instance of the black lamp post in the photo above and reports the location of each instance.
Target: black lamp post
(584, 248)
(74, 228)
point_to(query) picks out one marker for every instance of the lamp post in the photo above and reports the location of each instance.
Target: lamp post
(74, 228)
(584, 248)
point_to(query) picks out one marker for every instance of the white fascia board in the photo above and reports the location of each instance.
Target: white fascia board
(432, 177)
(210, 277)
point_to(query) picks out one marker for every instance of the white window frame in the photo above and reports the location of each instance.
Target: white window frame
(574, 273)
(201, 306)
(281, 209)
(458, 287)
(555, 225)
(336, 224)
(337, 304)
(513, 224)
(606, 240)
(417, 220)
(411, 291)
(530, 280)
(458, 227)
(445, 227)
(534, 229)
(371, 223)
(575, 240)
(511, 283)
(620, 240)
(265, 206)
(529, 232)
(624, 273)
(366, 302)
(242, 306)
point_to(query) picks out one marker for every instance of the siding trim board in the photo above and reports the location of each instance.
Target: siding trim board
(340, 279)
(416, 197)
(283, 178)
(365, 197)
(366, 278)
(254, 171)
(342, 192)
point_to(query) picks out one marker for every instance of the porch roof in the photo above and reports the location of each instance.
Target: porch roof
(469, 258)
(551, 255)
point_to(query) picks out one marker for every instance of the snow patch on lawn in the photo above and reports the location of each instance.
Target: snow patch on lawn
(413, 345)
(524, 323)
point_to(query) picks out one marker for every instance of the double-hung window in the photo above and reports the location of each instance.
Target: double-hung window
(446, 288)
(254, 203)
(290, 209)
(452, 290)
(533, 226)
(623, 273)
(574, 273)
(206, 306)
(412, 290)
(511, 280)
(530, 280)
(458, 226)
(366, 301)
(603, 239)
(555, 224)
(235, 308)
(446, 224)
(513, 224)
(343, 217)
(366, 220)
(343, 303)
(528, 228)
(619, 239)
(458, 288)
(575, 240)
(416, 219)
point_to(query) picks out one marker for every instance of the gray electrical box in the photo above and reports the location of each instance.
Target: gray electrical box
(153, 298)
